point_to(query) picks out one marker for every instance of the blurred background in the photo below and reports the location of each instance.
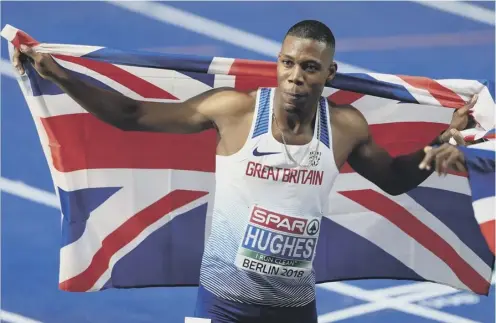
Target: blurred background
(433, 39)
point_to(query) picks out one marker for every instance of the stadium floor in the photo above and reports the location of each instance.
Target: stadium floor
(453, 41)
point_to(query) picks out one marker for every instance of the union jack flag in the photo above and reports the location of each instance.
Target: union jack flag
(136, 207)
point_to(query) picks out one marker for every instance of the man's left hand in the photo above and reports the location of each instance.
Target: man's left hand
(460, 119)
(446, 157)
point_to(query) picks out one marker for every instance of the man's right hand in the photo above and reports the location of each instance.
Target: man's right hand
(44, 64)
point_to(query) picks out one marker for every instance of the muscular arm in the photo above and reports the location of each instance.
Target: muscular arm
(394, 175)
(194, 115)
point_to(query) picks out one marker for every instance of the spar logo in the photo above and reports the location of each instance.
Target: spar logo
(284, 223)
(281, 236)
(278, 245)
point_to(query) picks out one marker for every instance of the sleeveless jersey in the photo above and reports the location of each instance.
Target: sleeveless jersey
(267, 214)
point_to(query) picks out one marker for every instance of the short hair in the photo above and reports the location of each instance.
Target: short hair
(313, 29)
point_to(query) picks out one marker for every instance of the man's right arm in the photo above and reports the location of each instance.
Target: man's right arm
(193, 115)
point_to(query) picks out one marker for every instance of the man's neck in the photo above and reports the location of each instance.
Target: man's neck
(294, 122)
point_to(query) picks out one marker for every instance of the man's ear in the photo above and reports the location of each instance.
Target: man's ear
(333, 69)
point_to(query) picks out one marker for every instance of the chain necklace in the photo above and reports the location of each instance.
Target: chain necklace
(317, 124)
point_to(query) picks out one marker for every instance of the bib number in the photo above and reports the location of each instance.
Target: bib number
(278, 245)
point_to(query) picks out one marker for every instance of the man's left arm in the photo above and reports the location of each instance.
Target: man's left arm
(394, 175)
(398, 175)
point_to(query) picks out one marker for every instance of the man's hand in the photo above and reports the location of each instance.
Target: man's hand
(457, 137)
(44, 64)
(460, 119)
(446, 157)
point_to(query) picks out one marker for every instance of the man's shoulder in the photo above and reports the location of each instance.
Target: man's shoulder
(345, 113)
(226, 106)
(232, 101)
(349, 119)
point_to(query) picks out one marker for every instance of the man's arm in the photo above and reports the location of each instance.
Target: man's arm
(194, 115)
(394, 175)
(398, 175)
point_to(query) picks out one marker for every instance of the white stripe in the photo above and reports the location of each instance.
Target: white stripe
(224, 81)
(220, 65)
(66, 49)
(159, 179)
(9, 32)
(487, 145)
(213, 29)
(404, 112)
(397, 304)
(59, 105)
(462, 9)
(380, 231)
(484, 209)
(464, 88)
(15, 318)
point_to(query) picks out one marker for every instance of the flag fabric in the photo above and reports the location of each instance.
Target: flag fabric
(480, 161)
(475, 134)
(136, 207)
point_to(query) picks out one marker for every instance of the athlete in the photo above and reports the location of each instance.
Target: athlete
(279, 151)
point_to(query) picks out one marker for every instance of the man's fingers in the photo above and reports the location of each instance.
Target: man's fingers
(452, 160)
(457, 136)
(28, 51)
(466, 108)
(456, 163)
(460, 166)
(441, 157)
(17, 62)
(429, 154)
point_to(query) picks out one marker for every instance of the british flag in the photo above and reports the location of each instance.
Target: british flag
(136, 207)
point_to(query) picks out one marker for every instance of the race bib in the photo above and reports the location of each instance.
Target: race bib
(278, 245)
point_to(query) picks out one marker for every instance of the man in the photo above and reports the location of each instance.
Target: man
(278, 154)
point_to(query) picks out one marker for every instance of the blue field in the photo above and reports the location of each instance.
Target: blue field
(386, 37)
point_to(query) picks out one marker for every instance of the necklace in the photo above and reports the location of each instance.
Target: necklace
(317, 126)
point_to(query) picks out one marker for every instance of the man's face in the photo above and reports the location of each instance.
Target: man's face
(303, 67)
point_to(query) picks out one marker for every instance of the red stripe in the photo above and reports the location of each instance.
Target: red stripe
(413, 227)
(250, 75)
(445, 96)
(22, 38)
(487, 229)
(81, 141)
(128, 231)
(260, 69)
(343, 97)
(469, 138)
(123, 77)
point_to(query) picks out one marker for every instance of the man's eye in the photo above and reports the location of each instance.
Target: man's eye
(287, 63)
